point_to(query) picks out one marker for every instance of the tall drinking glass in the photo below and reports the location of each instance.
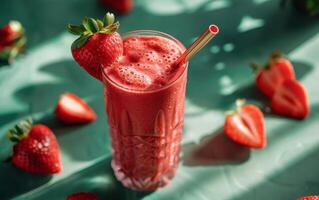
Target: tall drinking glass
(146, 127)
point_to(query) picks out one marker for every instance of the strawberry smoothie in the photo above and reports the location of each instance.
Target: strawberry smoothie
(144, 95)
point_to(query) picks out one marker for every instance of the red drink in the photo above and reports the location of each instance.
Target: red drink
(144, 95)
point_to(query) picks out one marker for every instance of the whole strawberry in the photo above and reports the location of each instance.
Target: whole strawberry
(82, 196)
(98, 44)
(118, 6)
(12, 40)
(36, 150)
(270, 76)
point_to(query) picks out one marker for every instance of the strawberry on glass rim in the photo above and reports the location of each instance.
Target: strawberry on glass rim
(12, 40)
(36, 149)
(291, 99)
(98, 44)
(271, 75)
(246, 125)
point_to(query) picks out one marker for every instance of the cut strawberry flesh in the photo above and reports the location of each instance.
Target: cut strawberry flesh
(72, 104)
(268, 80)
(291, 100)
(72, 109)
(246, 127)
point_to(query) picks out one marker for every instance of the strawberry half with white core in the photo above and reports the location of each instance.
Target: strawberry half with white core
(270, 76)
(291, 99)
(36, 150)
(71, 109)
(98, 44)
(12, 40)
(246, 125)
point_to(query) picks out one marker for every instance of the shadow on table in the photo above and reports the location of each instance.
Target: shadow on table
(93, 138)
(298, 179)
(63, 76)
(3, 63)
(15, 182)
(98, 179)
(11, 116)
(214, 149)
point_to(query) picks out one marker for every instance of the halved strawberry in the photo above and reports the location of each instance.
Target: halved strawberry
(36, 149)
(291, 99)
(270, 76)
(309, 198)
(82, 196)
(71, 109)
(246, 126)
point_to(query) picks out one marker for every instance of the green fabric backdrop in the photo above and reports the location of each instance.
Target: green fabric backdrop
(212, 166)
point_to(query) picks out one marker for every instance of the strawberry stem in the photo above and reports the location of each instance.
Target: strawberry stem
(273, 58)
(109, 18)
(20, 130)
(239, 103)
(255, 67)
(275, 55)
(91, 26)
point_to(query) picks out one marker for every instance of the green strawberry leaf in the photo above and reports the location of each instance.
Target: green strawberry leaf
(89, 25)
(100, 24)
(80, 41)
(20, 130)
(94, 25)
(75, 30)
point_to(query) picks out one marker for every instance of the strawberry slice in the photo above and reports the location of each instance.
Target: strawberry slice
(309, 198)
(291, 100)
(71, 109)
(82, 196)
(36, 149)
(270, 76)
(246, 125)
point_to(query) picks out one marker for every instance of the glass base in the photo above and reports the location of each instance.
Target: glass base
(143, 184)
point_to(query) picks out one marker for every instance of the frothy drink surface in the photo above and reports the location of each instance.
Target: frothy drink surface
(147, 63)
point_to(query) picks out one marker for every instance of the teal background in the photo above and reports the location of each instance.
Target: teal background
(212, 166)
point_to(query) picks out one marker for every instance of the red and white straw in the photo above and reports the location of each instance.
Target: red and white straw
(201, 41)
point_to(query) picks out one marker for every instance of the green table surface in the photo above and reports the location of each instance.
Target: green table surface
(212, 166)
